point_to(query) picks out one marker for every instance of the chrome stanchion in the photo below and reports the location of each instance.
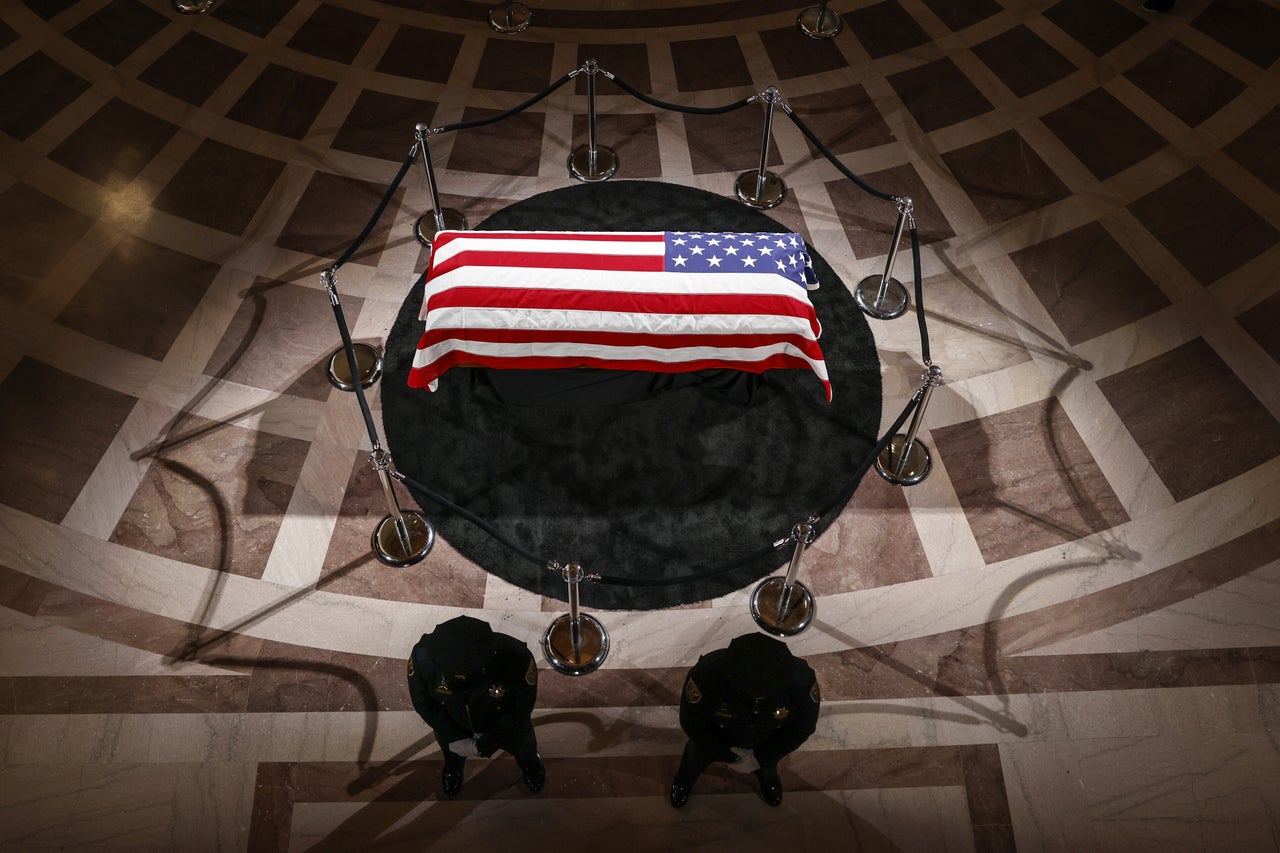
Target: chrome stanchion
(883, 296)
(193, 7)
(592, 162)
(402, 538)
(575, 643)
(784, 606)
(436, 220)
(367, 359)
(762, 189)
(510, 18)
(905, 461)
(819, 22)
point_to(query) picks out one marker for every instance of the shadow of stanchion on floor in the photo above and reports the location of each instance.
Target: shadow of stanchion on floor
(1002, 721)
(201, 639)
(1094, 521)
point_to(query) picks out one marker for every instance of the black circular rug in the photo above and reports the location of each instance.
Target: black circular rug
(655, 495)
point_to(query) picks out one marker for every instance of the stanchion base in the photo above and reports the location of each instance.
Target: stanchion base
(593, 644)
(388, 548)
(894, 303)
(581, 167)
(764, 607)
(193, 7)
(368, 362)
(817, 24)
(889, 464)
(510, 18)
(748, 190)
(425, 229)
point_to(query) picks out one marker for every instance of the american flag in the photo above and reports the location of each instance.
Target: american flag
(659, 301)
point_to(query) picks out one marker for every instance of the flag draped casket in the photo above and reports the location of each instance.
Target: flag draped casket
(663, 302)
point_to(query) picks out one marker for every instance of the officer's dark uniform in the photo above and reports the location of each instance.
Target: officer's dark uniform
(753, 695)
(468, 682)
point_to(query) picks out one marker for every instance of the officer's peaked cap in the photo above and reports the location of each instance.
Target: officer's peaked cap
(758, 664)
(461, 645)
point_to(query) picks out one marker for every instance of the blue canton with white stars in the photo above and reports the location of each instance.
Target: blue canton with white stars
(734, 252)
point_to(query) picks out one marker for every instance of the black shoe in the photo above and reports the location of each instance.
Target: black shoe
(535, 775)
(680, 794)
(770, 786)
(451, 780)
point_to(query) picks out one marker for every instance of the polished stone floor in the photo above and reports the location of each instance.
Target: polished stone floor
(1066, 638)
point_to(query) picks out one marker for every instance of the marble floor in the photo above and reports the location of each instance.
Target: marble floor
(1066, 638)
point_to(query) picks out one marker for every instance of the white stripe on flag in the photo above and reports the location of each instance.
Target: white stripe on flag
(566, 349)
(559, 319)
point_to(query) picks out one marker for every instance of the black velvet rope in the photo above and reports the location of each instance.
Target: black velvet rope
(844, 170)
(481, 122)
(477, 520)
(924, 329)
(487, 526)
(377, 214)
(654, 102)
(354, 368)
(871, 457)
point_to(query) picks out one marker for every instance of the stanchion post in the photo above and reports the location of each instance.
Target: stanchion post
(403, 537)
(883, 296)
(193, 7)
(437, 219)
(575, 643)
(905, 460)
(592, 162)
(362, 365)
(762, 189)
(510, 18)
(819, 22)
(785, 606)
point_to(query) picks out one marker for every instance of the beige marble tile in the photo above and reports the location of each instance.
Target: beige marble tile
(36, 804)
(33, 647)
(1046, 797)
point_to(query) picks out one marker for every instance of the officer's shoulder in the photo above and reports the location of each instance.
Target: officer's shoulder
(712, 658)
(801, 673)
(509, 646)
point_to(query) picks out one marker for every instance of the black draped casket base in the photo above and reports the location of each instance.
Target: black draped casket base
(656, 494)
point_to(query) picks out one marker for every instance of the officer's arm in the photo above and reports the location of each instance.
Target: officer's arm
(697, 716)
(802, 722)
(520, 677)
(428, 706)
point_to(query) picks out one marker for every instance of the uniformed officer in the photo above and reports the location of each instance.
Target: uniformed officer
(476, 689)
(752, 698)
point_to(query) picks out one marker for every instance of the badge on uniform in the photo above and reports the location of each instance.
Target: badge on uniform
(815, 694)
(691, 692)
(497, 691)
(443, 687)
(531, 674)
(411, 666)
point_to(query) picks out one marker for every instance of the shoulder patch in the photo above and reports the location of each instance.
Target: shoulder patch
(691, 692)
(531, 674)
(814, 693)
(411, 666)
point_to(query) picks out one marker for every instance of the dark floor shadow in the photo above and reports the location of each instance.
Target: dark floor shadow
(1004, 722)
(1095, 523)
(397, 765)
(201, 640)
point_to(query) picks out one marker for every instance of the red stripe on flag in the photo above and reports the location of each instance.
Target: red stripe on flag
(547, 260)
(597, 236)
